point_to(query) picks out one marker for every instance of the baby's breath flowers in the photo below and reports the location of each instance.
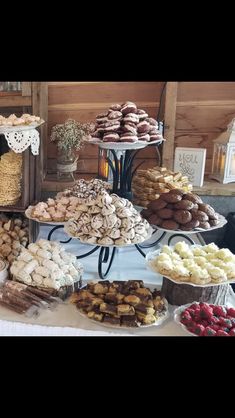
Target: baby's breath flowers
(71, 134)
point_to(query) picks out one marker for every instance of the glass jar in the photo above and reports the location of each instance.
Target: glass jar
(66, 164)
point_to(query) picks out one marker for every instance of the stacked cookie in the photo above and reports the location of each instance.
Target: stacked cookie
(46, 264)
(112, 220)
(85, 190)
(13, 120)
(70, 203)
(125, 123)
(122, 303)
(14, 234)
(179, 210)
(148, 184)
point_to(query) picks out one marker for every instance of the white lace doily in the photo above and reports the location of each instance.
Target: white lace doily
(19, 141)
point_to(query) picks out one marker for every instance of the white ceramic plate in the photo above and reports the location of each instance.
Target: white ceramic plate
(153, 254)
(158, 322)
(222, 222)
(20, 128)
(150, 232)
(177, 314)
(29, 216)
(124, 145)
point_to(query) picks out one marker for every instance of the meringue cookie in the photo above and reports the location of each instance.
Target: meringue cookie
(138, 238)
(97, 221)
(109, 221)
(140, 229)
(104, 199)
(85, 218)
(113, 233)
(130, 234)
(93, 210)
(86, 229)
(91, 240)
(127, 223)
(123, 213)
(118, 202)
(108, 209)
(122, 241)
(96, 233)
(106, 241)
(118, 223)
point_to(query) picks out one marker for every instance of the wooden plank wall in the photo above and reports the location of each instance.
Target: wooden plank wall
(203, 111)
(84, 100)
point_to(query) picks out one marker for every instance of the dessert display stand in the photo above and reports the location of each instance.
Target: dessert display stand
(122, 164)
(181, 294)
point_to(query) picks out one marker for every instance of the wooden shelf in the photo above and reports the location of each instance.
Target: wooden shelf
(214, 188)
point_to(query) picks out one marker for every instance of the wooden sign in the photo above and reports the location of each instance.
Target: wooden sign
(191, 162)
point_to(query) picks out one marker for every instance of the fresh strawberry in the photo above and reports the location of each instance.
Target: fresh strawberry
(225, 322)
(204, 322)
(214, 320)
(197, 318)
(191, 311)
(219, 311)
(186, 315)
(194, 306)
(221, 333)
(215, 327)
(232, 320)
(231, 312)
(206, 312)
(199, 329)
(224, 329)
(209, 332)
(232, 332)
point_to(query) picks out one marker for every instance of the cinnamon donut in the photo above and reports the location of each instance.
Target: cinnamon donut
(182, 216)
(170, 224)
(157, 204)
(184, 204)
(199, 215)
(193, 198)
(165, 213)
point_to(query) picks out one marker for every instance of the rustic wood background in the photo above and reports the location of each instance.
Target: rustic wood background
(194, 114)
(83, 101)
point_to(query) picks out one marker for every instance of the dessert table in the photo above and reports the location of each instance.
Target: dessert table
(65, 320)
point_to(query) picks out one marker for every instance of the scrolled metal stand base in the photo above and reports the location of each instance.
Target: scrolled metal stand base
(104, 258)
(181, 235)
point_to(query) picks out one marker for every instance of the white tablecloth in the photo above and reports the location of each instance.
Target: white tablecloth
(65, 320)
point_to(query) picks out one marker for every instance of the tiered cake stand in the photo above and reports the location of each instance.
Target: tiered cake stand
(124, 154)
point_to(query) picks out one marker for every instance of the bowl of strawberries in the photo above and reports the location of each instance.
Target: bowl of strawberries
(206, 320)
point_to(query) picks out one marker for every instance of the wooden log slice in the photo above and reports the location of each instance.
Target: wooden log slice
(181, 294)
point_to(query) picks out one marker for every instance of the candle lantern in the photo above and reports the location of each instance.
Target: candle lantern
(223, 164)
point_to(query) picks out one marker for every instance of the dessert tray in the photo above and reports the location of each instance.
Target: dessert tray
(222, 222)
(28, 214)
(150, 232)
(206, 319)
(153, 254)
(160, 316)
(124, 145)
(19, 128)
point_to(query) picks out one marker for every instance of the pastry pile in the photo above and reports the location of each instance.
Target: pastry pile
(86, 190)
(125, 123)
(148, 184)
(13, 120)
(14, 234)
(111, 221)
(199, 265)
(70, 203)
(179, 210)
(122, 303)
(46, 264)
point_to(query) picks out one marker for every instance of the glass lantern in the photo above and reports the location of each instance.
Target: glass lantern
(223, 164)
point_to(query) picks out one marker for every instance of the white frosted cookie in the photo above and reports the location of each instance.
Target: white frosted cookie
(108, 209)
(109, 221)
(122, 241)
(106, 241)
(130, 233)
(97, 221)
(128, 222)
